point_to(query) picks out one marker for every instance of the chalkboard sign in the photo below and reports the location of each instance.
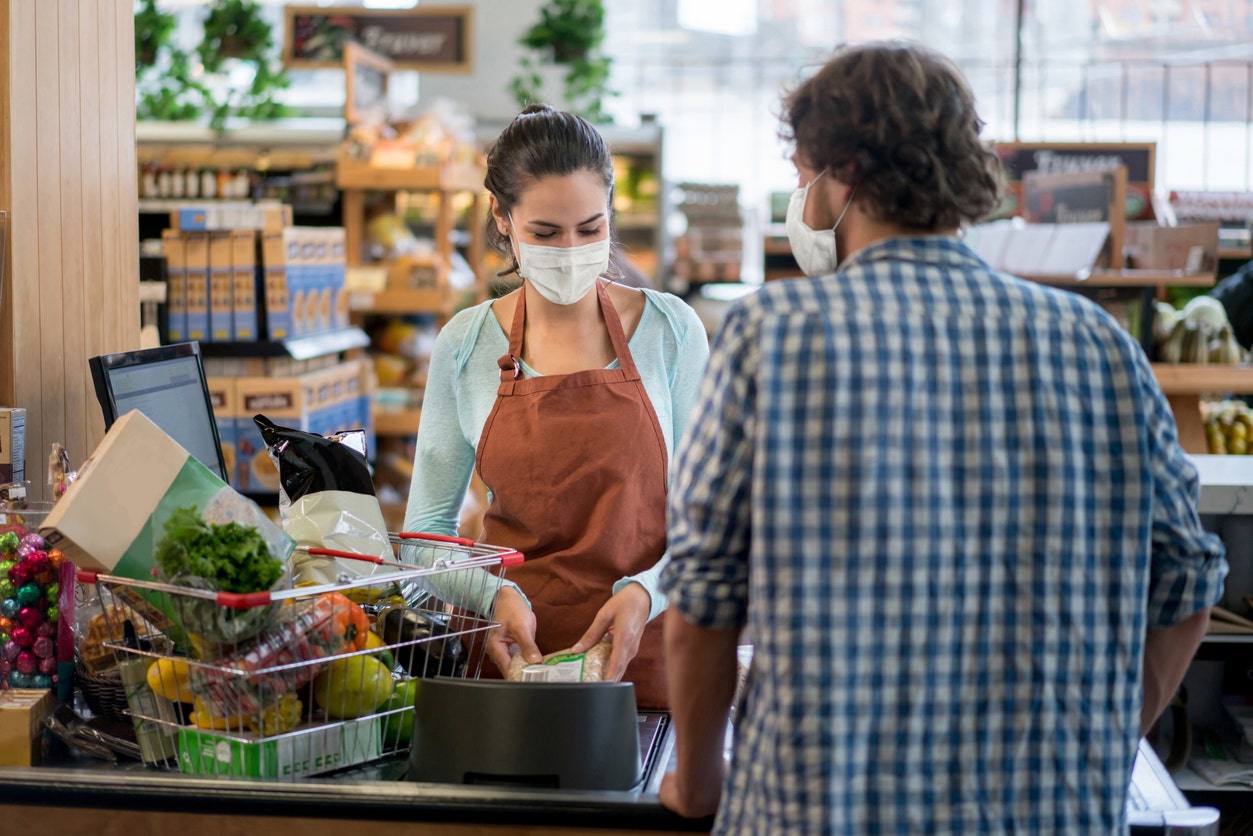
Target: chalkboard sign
(424, 38)
(365, 79)
(1081, 197)
(1019, 158)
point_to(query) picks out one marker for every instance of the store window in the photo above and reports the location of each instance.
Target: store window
(1172, 71)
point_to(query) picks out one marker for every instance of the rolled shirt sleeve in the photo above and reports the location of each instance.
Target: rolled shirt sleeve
(709, 524)
(1188, 564)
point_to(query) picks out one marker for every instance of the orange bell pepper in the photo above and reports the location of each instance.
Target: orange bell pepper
(349, 620)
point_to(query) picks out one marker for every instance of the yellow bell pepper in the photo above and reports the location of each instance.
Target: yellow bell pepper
(169, 678)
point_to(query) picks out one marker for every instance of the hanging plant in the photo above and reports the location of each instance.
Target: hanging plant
(153, 29)
(568, 35)
(234, 29)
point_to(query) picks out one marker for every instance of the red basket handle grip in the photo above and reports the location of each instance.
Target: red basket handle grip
(85, 575)
(243, 600)
(367, 558)
(436, 538)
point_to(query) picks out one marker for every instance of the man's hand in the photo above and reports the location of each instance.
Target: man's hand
(693, 804)
(517, 626)
(625, 615)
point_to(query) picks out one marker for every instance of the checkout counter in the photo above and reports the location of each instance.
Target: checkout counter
(93, 797)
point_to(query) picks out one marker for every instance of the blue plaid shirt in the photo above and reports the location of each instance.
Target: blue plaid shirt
(948, 504)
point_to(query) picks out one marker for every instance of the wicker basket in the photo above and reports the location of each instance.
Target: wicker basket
(104, 693)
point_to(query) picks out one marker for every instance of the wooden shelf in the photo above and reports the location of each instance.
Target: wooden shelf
(449, 178)
(1192, 379)
(1125, 278)
(1235, 253)
(392, 422)
(435, 301)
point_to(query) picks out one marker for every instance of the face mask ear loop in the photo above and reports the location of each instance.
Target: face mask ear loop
(852, 193)
(513, 243)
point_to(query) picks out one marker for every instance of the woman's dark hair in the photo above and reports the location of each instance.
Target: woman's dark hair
(898, 120)
(541, 142)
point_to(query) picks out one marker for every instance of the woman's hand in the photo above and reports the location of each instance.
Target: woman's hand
(625, 615)
(517, 627)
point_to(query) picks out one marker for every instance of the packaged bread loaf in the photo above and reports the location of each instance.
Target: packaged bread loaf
(565, 665)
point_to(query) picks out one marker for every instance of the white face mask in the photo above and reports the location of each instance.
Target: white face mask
(562, 275)
(814, 250)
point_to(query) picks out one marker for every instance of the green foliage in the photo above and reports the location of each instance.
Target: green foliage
(190, 86)
(153, 29)
(234, 29)
(569, 33)
(232, 557)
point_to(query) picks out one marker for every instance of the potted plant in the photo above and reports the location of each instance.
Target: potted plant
(153, 29)
(567, 37)
(234, 29)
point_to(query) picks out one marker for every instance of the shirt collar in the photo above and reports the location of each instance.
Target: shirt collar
(929, 249)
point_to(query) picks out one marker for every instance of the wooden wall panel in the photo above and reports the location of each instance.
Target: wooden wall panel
(68, 150)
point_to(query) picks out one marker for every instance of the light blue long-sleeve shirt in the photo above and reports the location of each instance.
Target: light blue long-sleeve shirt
(669, 347)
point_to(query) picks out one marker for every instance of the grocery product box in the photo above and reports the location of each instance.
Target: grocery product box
(337, 271)
(12, 445)
(22, 714)
(197, 255)
(227, 216)
(226, 414)
(174, 249)
(277, 293)
(244, 268)
(293, 756)
(221, 288)
(286, 401)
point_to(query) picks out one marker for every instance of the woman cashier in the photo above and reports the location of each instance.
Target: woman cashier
(568, 395)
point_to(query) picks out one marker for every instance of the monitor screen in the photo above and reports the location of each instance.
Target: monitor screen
(167, 385)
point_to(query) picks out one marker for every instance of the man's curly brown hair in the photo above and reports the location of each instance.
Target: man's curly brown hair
(898, 120)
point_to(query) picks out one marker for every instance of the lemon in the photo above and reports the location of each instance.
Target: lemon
(352, 687)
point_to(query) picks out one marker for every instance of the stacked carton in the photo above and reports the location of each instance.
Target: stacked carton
(219, 291)
(323, 401)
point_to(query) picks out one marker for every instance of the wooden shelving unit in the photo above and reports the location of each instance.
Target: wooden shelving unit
(1183, 385)
(1126, 278)
(392, 422)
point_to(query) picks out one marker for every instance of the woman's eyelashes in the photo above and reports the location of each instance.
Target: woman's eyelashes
(586, 233)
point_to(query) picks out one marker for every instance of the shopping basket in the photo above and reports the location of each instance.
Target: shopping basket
(326, 675)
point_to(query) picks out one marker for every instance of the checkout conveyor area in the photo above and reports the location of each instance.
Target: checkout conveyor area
(89, 796)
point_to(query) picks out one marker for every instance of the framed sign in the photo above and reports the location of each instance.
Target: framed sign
(1019, 158)
(1080, 197)
(424, 38)
(366, 75)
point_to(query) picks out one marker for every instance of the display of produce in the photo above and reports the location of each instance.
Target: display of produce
(1199, 334)
(1229, 428)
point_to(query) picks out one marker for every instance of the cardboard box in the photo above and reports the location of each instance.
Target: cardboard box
(22, 714)
(226, 414)
(138, 461)
(287, 758)
(284, 400)
(227, 215)
(277, 296)
(175, 250)
(12, 445)
(197, 254)
(221, 289)
(244, 267)
(1191, 247)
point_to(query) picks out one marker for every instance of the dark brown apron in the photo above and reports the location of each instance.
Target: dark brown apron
(576, 465)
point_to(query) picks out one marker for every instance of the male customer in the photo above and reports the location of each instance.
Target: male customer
(948, 504)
